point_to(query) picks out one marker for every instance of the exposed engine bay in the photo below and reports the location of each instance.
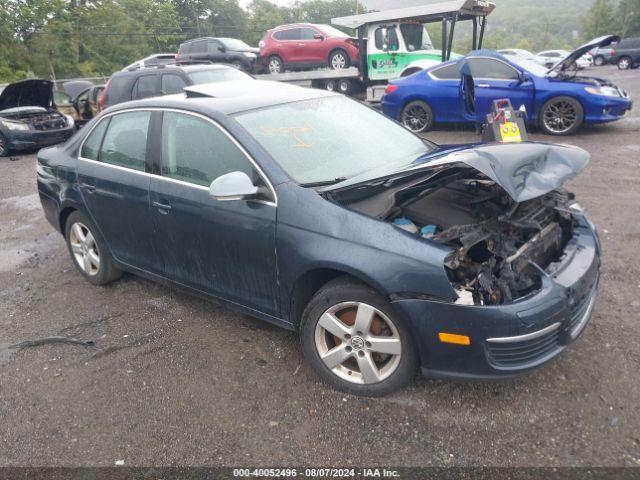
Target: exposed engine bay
(39, 119)
(499, 245)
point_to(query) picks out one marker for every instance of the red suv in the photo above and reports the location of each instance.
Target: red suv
(305, 45)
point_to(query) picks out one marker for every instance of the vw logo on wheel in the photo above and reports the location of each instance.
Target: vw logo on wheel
(357, 343)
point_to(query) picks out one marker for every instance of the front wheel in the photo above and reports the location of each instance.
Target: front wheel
(356, 342)
(89, 251)
(339, 60)
(417, 116)
(275, 64)
(4, 146)
(561, 116)
(624, 63)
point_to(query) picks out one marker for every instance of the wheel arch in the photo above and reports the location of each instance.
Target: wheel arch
(338, 49)
(311, 281)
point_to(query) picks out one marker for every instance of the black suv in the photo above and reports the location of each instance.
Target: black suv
(627, 53)
(164, 80)
(220, 50)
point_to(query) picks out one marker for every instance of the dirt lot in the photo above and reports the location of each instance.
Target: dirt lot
(174, 380)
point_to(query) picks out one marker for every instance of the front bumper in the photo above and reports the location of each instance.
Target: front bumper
(607, 109)
(508, 340)
(34, 139)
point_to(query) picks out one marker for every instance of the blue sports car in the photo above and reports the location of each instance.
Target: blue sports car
(557, 100)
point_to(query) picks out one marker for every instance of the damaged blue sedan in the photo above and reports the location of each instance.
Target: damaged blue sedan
(385, 252)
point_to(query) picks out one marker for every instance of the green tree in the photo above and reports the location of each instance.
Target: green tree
(599, 20)
(628, 14)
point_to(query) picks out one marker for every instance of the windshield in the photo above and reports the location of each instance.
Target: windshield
(234, 44)
(215, 75)
(330, 31)
(416, 37)
(531, 66)
(332, 139)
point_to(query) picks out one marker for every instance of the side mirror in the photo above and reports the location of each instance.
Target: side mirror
(233, 186)
(522, 78)
(318, 36)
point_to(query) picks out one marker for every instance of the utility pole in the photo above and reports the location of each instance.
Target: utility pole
(357, 7)
(53, 73)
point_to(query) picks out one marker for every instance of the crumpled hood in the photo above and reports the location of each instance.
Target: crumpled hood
(27, 93)
(580, 51)
(524, 170)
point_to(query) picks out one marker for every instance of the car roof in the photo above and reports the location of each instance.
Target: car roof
(230, 97)
(187, 68)
(294, 25)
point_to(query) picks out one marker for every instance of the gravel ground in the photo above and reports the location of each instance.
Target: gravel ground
(177, 381)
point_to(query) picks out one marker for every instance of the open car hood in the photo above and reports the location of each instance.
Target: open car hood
(27, 93)
(580, 51)
(524, 170)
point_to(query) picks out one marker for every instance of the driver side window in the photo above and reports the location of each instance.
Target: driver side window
(393, 45)
(491, 69)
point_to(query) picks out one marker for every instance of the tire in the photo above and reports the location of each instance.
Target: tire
(417, 116)
(624, 63)
(598, 61)
(344, 86)
(275, 64)
(237, 64)
(83, 239)
(331, 85)
(339, 60)
(4, 147)
(568, 113)
(336, 306)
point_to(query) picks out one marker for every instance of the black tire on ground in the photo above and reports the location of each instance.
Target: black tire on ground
(344, 86)
(341, 291)
(4, 146)
(275, 64)
(339, 59)
(561, 116)
(331, 85)
(598, 61)
(417, 116)
(624, 63)
(106, 271)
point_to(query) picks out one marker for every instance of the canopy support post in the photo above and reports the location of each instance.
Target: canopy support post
(483, 24)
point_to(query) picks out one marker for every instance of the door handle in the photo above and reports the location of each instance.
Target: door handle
(484, 85)
(163, 207)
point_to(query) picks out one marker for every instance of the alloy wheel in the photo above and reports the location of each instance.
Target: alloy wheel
(624, 63)
(415, 118)
(338, 61)
(560, 117)
(358, 343)
(275, 66)
(84, 248)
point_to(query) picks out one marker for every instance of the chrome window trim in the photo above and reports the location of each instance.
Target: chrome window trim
(528, 336)
(264, 177)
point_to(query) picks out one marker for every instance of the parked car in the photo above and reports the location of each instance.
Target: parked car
(152, 61)
(163, 80)
(389, 254)
(29, 118)
(219, 50)
(603, 55)
(557, 101)
(627, 53)
(518, 54)
(307, 45)
(549, 58)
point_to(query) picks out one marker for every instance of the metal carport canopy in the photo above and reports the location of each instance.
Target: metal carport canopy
(422, 13)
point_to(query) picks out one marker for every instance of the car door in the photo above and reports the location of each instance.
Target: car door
(287, 44)
(309, 49)
(146, 86)
(494, 79)
(113, 176)
(216, 52)
(222, 248)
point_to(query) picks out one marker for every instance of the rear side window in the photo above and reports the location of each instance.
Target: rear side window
(290, 34)
(172, 84)
(91, 146)
(491, 69)
(448, 72)
(125, 143)
(146, 86)
(196, 151)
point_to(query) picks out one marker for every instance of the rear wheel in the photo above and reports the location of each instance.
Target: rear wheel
(356, 342)
(275, 64)
(417, 116)
(561, 116)
(338, 60)
(89, 251)
(598, 61)
(4, 146)
(624, 63)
